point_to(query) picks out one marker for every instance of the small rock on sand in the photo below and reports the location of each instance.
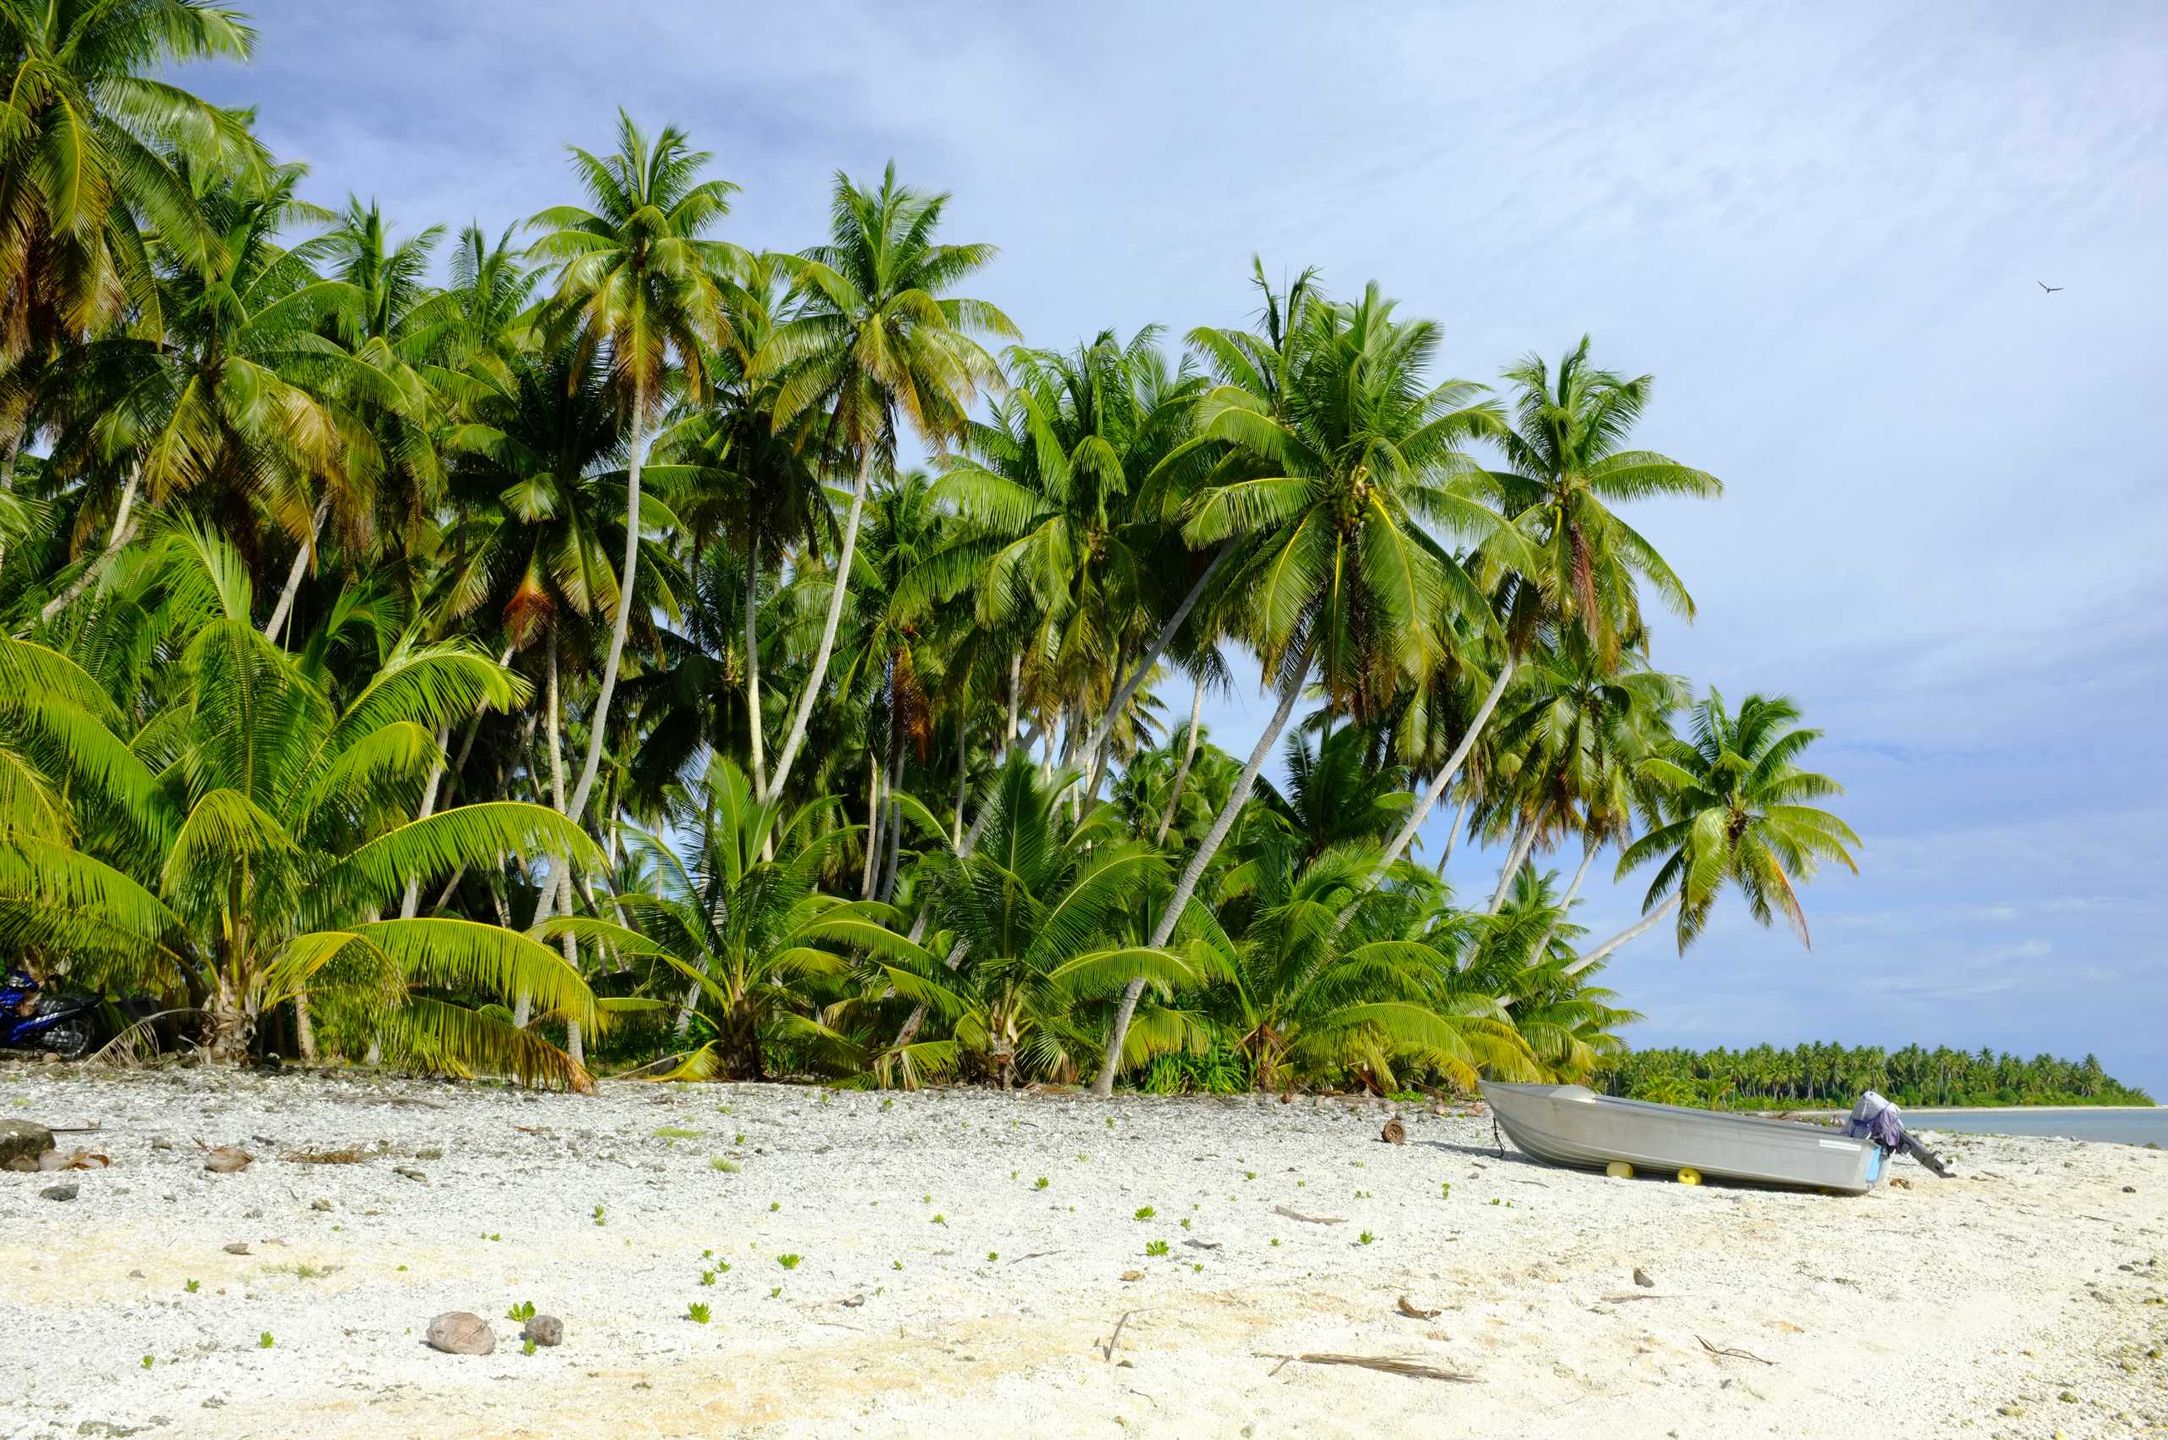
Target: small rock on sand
(227, 1159)
(1394, 1132)
(460, 1332)
(1641, 1278)
(543, 1330)
(60, 1192)
(21, 1140)
(238, 1247)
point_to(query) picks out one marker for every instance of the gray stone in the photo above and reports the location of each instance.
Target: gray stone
(60, 1192)
(409, 1172)
(19, 1139)
(460, 1332)
(320, 1205)
(544, 1330)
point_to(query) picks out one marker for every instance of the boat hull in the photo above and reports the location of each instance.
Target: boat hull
(1572, 1125)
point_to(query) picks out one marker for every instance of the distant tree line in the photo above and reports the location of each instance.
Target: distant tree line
(1766, 1077)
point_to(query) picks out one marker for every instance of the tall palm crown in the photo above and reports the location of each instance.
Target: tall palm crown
(878, 339)
(1336, 484)
(245, 402)
(638, 277)
(875, 338)
(1047, 491)
(86, 140)
(1735, 810)
(1565, 470)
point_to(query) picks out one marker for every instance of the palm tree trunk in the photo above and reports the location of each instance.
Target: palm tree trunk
(894, 831)
(1181, 772)
(1016, 696)
(873, 825)
(277, 623)
(124, 530)
(1524, 840)
(752, 670)
(818, 675)
(1150, 658)
(1444, 777)
(963, 778)
(1290, 691)
(304, 1028)
(1452, 835)
(598, 725)
(1588, 857)
(1639, 927)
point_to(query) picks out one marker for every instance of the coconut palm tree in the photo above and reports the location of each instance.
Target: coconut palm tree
(1332, 483)
(245, 407)
(1310, 995)
(875, 340)
(1045, 917)
(1733, 810)
(88, 142)
(753, 934)
(638, 281)
(1581, 567)
(238, 849)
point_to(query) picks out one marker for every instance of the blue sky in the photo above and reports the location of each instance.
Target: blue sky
(1819, 227)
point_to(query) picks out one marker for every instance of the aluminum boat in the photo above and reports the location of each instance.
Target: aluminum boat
(1572, 1125)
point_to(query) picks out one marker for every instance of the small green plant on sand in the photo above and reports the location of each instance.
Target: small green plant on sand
(774, 1205)
(147, 1362)
(774, 1291)
(707, 1277)
(992, 1256)
(788, 1262)
(697, 1313)
(600, 1218)
(677, 1132)
(1041, 1183)
(192, 1286)
(1145, 1212)
(264, 1341)
(940, 1219)
(727, 1166)
(1445, 1189)
(1155, 1247)
(523, 1311)
(1365, 1238)
(526, 1346)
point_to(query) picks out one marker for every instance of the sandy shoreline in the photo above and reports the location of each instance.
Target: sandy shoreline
(941, 1289)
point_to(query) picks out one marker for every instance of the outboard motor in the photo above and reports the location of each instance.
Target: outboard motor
(1878, 1119)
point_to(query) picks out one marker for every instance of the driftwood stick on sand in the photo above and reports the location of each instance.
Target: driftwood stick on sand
(1309, 1219)
(1107, 1350)
(1412, 1369)
(1735, 1354)
(1413, 1313)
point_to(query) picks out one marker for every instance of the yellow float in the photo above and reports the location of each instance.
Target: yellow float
(1689, 1176)
(1619, 1170)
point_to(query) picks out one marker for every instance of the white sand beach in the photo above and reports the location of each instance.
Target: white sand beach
(944, 1287)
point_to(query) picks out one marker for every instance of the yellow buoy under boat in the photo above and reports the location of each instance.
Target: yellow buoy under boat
(1619, 1170)
(1689, 1176)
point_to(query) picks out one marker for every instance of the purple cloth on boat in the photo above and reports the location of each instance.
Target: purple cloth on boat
(1876, 1119)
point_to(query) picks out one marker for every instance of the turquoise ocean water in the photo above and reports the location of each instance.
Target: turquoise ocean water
(2126, 1127)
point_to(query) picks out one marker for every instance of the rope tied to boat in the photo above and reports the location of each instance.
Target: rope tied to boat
(1496, 1138)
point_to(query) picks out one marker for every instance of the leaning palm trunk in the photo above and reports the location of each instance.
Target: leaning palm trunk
(752, 669)
(818, 675)
(276, 625)
(124, 530)
(1452, 834)
(1181, 772)
(1588, 857)
(1096, 746)
(1444, 778)
(1642, 926)
(598, 725)
(1524, 840)
(1290, 691)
